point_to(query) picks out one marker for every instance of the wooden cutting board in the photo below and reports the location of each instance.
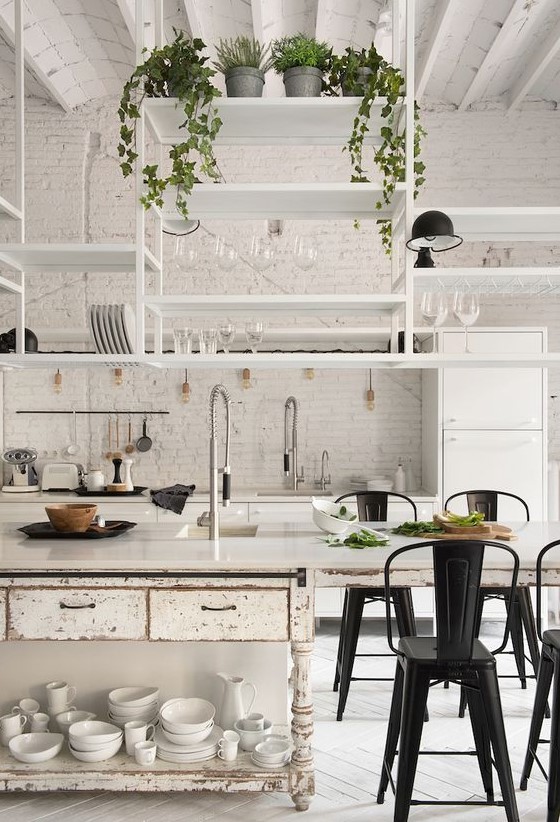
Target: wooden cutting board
(482, 528)
(494, 531)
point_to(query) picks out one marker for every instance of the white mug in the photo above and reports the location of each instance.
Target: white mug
(27, 707)
(253, 722)
(145, 752)
(11, 725)
(137, 731)
(59, 696)
(39, 723)
(228, 746)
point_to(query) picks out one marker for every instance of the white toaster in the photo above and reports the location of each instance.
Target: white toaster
(60, 476)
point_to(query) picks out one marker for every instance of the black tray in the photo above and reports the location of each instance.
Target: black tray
(83, 492)
(44, 530)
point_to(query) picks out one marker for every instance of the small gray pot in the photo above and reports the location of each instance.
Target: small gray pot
(244, 81)
(357, 88)
(303, 81)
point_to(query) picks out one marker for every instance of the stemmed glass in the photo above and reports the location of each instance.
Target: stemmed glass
(262, 253)
(305, 252)
(186, 254)
(226, 254)
(466, 309)
(434, 311)
(226, 335)
(254, 334)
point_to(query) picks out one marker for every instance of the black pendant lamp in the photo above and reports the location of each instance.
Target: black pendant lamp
(432, 231)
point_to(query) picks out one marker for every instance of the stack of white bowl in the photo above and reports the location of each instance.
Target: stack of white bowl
(379, 483)
(94, 741)
(273, 752)
(187, 732)
(134, 703)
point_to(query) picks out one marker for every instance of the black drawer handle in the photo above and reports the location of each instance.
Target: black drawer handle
(77, 607)
(223, 608)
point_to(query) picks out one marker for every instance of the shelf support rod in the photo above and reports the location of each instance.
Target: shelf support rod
(20, 166)
(140, 284)
(409, 175)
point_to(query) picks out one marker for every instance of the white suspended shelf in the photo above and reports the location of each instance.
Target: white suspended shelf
(502, 223)
(8, 211)
(492, 279)
(270, 121)
(73, 257)
(168, 306)
(8, 287)
(285, 201)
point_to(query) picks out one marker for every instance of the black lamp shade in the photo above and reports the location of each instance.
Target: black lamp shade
(434, 230)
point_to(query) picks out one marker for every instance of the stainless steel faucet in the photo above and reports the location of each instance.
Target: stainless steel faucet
(325, 478)
(212, 517)
(292, 472)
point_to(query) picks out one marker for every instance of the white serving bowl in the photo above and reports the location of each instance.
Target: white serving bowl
(35, 747)
(273, 750)
(79, 744)
(132, 713)
(106, 752)
(323, 519)
(187, 716)
(94, 731)
(67, 718)
(250, 739)
(134, 696)
(188, 739)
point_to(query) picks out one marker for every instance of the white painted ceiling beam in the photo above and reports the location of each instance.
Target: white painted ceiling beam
(503, 44)
(535, 67)
(128, 13)
(193, 19)
(439, 26)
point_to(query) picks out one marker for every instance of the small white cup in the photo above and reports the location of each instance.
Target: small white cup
(145, 752)
(137, 731)
(228, 746)
(253, 722)
(59, 696)
(26, 707)
(11, 725)
(39, 723)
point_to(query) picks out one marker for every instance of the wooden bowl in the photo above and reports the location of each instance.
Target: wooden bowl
(70, 516)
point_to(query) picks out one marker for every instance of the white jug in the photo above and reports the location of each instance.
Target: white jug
(232, 707)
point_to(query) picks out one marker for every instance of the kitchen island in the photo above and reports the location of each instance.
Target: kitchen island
(157, 584)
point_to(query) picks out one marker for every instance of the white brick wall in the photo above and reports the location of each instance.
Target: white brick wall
(75, 192)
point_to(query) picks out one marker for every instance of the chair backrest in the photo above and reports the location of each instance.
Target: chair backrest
(540, 558)
(486, 502)
(372, 505)
(457, 566)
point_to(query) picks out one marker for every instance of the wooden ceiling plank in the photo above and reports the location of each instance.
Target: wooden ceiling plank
(440, 24)
(538, 62)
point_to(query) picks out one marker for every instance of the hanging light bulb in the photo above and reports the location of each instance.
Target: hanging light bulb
(309, 373)
(57, 385)
(186, 390)
(246, 378)
(370, 395)
(118, 374)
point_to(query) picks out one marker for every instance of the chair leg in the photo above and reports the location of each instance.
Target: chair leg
(340, 642)
(479, 609)
(415, 695)
(544, 679)
(354, 610)
(530, 627)
(481, 738)
(404, 614)
(490, 695)
(517, 639)
(393, 730)
(554, 757)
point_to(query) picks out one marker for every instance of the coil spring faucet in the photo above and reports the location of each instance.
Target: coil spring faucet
(212, 517)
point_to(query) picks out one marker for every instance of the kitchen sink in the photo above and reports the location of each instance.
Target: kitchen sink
(301, 492)
(201, 532)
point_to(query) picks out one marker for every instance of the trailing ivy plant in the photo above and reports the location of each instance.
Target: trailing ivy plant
(384, 80)
(176, 70)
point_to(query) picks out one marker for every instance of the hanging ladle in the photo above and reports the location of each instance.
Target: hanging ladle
(144, 443)
(73, 448)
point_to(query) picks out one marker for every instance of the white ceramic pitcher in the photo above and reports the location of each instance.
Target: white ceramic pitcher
(232, 707)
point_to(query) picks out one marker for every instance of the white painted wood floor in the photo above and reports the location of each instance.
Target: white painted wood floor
(348, 761)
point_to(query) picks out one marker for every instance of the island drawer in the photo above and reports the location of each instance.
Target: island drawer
(219, 614)
(77, 613)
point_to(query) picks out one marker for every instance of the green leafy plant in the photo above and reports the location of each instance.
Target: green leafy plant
(414, 529)
(364, 538)
(178, 69)
(242, 52)
(300, 50)
(384, 81)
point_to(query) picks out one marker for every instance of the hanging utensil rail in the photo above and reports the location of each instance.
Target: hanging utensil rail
(114, 413)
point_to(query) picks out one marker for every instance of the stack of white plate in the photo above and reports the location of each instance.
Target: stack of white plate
(187, 732)
(379, 483)
(134, 703)
(112, 328)
(273, 752)
(358, 483)
(196, 752)
(94, 741)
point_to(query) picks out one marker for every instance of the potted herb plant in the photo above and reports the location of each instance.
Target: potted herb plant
(179, 70)
(244, 62)
(368, 75)
(303, 61)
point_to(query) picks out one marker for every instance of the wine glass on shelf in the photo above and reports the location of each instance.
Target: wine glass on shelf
(226, 335)
(262, 253)
(466, 308)
(226, 254)
(186, 254)
(433, 306)
(305, 252)
(254, 333)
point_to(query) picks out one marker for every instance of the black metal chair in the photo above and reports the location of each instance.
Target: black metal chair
(522, 617)
(455, 654)
(372, 507)
(548, 668)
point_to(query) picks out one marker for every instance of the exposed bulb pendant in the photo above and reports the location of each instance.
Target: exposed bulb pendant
(246, 378)
(186, 389)
(370, 395)
(309, 373)
(57, 384)
(118, 375)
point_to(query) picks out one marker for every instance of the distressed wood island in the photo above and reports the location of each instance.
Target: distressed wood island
(157, 584)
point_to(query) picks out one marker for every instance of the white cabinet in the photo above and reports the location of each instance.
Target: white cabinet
(260, 512)
(26, 512)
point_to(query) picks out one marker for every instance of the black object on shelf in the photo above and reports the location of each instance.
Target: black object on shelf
(83, 492)
(8, 341)
(44, 530)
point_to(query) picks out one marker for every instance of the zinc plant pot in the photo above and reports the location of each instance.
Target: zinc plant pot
(356, 88)
(303, 81)
(244, 81)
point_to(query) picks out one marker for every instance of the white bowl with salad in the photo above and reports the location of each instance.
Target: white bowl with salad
(332, 517)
